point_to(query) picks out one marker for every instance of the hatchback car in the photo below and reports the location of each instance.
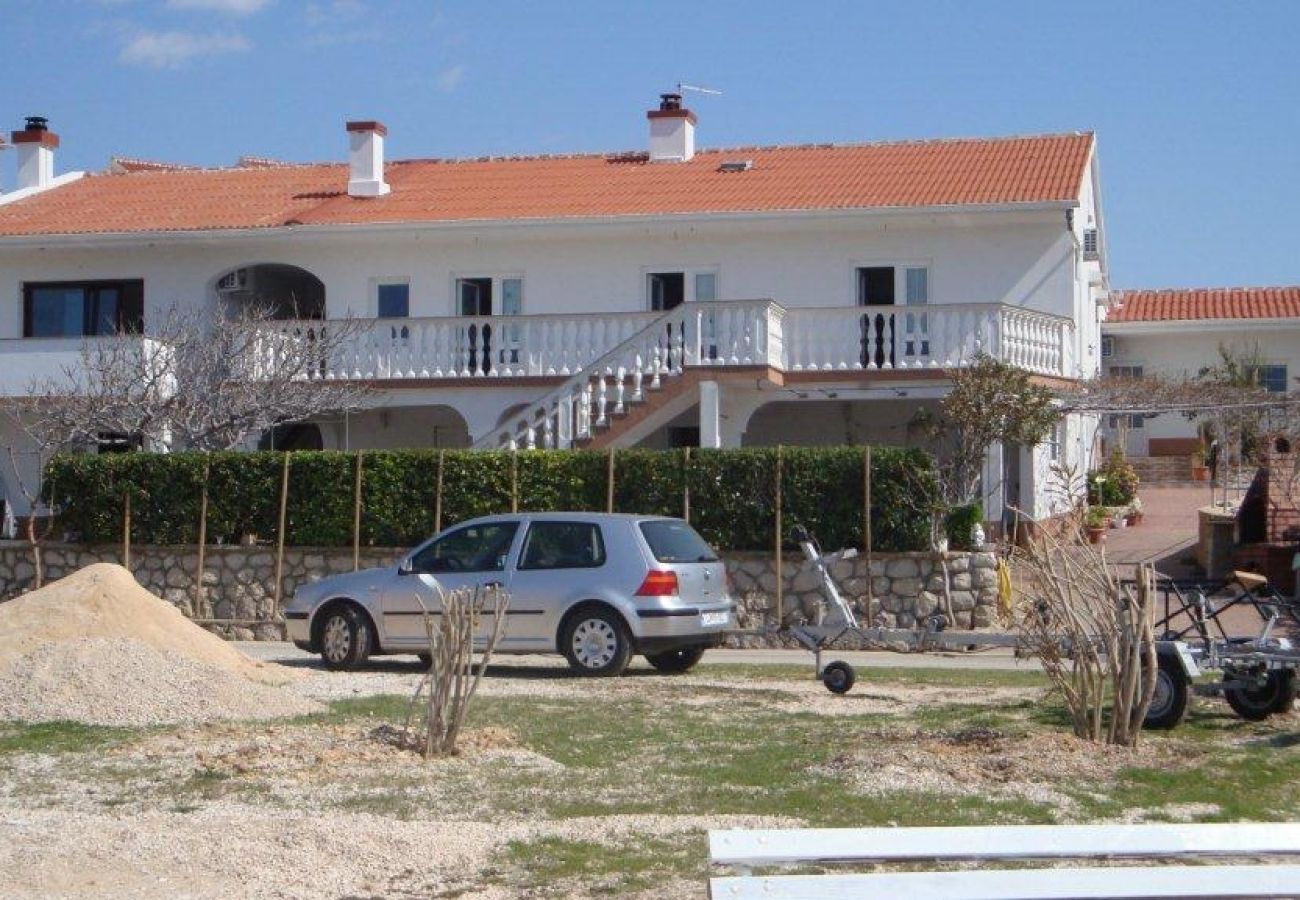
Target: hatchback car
(597, 588)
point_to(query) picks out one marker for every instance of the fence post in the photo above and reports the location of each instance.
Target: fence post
(279, 536)
(201, 607)
(437, 496)
(356, 517)
(514, 481)
(126, 530)
(686, 483)
(609, 482)
(866, 524)
(780, 576)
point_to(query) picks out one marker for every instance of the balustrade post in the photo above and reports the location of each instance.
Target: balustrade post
(602, 400)
(620, 377)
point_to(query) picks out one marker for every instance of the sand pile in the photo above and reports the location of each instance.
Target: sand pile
(96, 647)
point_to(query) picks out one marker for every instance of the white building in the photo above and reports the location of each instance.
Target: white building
(1178, 333)
(668, 296)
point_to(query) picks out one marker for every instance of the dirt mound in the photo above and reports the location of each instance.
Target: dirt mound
(98, 648)
(105, 601)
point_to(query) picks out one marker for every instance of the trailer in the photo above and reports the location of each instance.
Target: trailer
(1259, 673)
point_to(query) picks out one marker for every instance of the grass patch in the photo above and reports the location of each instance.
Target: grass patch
(553, 866)
(868, 675)
(61, 737)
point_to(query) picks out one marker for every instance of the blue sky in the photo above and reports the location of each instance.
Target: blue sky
(1195, 103)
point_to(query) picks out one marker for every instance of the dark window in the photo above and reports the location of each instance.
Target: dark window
(563, 545)
(475, 548)
(667, 290)
(673, 541)
(1125, 371)
(876, 286)
(394, 301)
(1270, 378)
(475, 296)
(118, 442)
(81, 308)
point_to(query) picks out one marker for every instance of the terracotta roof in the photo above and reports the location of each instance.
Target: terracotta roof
(825, 177)
(1207, 303)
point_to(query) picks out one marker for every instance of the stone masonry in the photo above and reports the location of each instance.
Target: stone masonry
(239, 582)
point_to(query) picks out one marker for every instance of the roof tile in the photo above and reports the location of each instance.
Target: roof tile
(800, 178)
(1181, 304)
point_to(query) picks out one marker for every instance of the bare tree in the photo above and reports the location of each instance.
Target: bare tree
(442, 698)
(202, 380)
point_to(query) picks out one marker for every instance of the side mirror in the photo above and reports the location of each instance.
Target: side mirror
(405, 567)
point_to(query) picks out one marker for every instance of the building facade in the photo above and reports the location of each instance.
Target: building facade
(672, 296)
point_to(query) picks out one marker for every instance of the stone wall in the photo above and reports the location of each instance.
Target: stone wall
(239, 582)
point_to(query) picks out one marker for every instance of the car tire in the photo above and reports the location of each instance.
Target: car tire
(596, 643)
(345, 637)
(1257, 702)
(672, 662)
(1169, 701)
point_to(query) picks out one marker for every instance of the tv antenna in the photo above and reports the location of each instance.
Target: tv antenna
(698, 89)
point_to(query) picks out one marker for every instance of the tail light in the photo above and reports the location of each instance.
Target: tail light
(658, 584)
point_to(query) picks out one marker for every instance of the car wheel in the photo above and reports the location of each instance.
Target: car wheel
(1255, 702)
(839, 677)
(1169, 700)
(680, 660)
(344, 638)
(595, 642)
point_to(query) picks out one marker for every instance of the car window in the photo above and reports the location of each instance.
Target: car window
(673, 541)
(476, 548)
(563, 545)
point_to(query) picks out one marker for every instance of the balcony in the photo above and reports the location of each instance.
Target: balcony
(722, 333)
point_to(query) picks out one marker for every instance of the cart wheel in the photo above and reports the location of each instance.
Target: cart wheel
(839, 677)
(1169, 702)
(1259, 701)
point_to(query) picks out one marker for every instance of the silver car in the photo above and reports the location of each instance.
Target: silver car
(595, 587)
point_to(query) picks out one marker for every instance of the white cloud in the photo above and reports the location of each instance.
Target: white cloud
(449, 79)
(233, 7)
(173, 49)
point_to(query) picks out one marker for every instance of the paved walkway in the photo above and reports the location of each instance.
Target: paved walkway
(1167, 535)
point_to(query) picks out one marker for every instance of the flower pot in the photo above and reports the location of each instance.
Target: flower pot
(1135, 518)
(1200, 473)
(1096, 534)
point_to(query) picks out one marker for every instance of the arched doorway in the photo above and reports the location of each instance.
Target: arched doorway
(282, 290)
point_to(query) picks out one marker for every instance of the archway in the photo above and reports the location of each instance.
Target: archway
(282, 290)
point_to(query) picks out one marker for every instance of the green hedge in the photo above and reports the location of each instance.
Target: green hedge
(732, 493)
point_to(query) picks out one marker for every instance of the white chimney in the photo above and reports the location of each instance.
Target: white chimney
(35, 145)
(366, 155)
(672, 130)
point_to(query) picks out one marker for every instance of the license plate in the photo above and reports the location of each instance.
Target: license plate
(713, 619)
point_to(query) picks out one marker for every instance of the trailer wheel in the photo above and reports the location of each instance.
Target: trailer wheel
(839, 677)
(1256, 702)
(1169, 702)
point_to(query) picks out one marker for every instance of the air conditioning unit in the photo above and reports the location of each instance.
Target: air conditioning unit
(1107, 346)
(233, 282)
(1089, 243)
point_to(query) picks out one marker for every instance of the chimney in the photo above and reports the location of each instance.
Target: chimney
(35, 145)
(672, 130)
(366, 155)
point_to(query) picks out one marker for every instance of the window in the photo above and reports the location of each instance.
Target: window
(668, 290)
(563, 545)
(477, 548)
(474, 296)
(1054, 440)
(83, 308)
(674, 541)
(393, 300)
(117, 442)
(883, 333)
(1270, 378)
(1124, 371)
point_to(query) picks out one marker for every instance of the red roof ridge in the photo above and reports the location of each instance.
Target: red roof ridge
(1123, 292)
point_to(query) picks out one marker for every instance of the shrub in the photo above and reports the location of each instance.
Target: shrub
(960, 522)
(1114, 484)
(732, 493)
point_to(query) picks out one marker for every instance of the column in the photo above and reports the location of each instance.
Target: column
(710, 414)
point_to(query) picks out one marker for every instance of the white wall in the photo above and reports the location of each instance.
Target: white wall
(1021, 259)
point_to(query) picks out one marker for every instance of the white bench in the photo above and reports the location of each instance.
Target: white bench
(746, 850)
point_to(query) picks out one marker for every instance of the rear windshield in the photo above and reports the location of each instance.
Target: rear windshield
(673, 541)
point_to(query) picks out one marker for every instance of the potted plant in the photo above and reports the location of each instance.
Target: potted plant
(1200, 471)
(1135, 511)
(1095, 523)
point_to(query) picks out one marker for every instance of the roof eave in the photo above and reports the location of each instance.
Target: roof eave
(1156, 326)
(209, 234)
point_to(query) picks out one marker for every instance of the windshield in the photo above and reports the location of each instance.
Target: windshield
(673, 541)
